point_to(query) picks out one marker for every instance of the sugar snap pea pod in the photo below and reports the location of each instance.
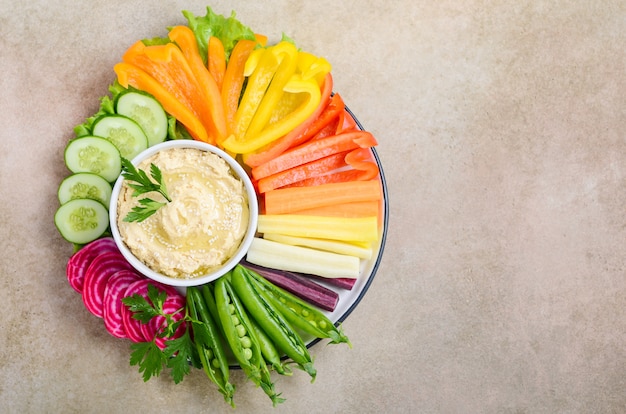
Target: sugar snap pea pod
(209, 345)
(272, 322)
(269, 351)
(209, 299)
(241, 338)
(298, 312)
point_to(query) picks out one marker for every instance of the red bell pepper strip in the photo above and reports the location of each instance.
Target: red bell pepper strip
(364, 168)
(314, 150)
(302, 172)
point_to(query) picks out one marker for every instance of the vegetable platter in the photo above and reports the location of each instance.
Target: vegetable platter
(322, 202)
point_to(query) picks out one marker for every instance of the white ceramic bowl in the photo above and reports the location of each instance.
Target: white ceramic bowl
(228, 265)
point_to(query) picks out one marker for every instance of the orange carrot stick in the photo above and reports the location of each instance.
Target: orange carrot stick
(216, 60)
(289, 200)
(128, 74)
(314, 150)
(355, 209)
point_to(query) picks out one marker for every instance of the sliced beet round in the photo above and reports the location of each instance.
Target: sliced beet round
(134, 328)
(96, 277)
(172, 305)
(112, 307)
(79, 262)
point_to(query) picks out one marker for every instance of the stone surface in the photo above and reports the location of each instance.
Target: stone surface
(502, 137)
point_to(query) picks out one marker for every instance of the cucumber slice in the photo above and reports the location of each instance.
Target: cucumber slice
(146, 111)
(81, 220)
(95, 155)
(123, 132)
(85, 185)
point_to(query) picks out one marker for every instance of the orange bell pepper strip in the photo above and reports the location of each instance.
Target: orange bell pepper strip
(167, 64)
(301, 133)
(136, 55)
(216, 60)
(128, 74)
(313, 150)
(232, 83)
(214, 120)
(260, 38)
(310, 88)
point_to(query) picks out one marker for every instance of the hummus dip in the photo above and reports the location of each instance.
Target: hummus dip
(203, 225)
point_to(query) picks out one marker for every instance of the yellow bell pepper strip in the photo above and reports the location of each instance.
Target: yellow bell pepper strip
(128, 74)
(257, 84)
(317, 70)
(299, 134)
(310, 89)
(287, 55)
(214, 120)
(216, 60)
(232, 83)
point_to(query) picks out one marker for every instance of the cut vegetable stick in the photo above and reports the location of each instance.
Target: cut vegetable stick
(333, 246)
(302, 259)
(357, 209)
(216, 60)
(298, 135)
(302, 172)
(359, 229)
(128, 74)
(313, 150)
(232, 83)
(303, 287)
(209, 91)
(289, 200)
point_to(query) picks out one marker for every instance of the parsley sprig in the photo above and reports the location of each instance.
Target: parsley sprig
(147, 355)
(142, 184)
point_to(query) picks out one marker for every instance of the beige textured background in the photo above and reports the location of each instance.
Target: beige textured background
(502, 135)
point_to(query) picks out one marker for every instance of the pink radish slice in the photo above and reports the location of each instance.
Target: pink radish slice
(96, 277)
(152, 328)
(112, 307)
(79, 262)
(133, 326)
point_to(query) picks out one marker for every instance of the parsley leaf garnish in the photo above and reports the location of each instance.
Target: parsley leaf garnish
(148, 356)
(142, 184)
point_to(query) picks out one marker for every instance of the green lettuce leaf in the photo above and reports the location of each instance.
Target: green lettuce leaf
(228, 29)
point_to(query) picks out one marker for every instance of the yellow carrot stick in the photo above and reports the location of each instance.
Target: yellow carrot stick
(360, 229)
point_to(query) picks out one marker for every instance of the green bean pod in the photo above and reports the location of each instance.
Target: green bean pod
(301, 314)
(272, 322)
(209, 345)
(241, 337)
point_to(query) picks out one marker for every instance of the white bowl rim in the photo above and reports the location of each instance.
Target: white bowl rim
(245, 243)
